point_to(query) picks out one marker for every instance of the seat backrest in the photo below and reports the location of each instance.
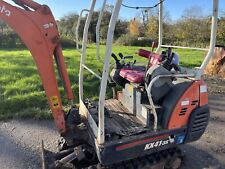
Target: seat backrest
(162, 86)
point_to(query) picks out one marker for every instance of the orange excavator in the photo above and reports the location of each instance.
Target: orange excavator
(36, 26)
(158, 109)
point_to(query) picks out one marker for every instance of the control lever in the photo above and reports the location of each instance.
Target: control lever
(129, 64)
(120, 55)
(118, 64)
(128, 57)
(135, 61)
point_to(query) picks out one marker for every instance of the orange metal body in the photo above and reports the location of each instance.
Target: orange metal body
(36, 26)
(190, 100)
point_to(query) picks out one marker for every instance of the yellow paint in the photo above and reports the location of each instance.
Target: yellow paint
(55, 102)
(130, 88)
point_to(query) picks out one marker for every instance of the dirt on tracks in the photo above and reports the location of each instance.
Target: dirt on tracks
(20, 140)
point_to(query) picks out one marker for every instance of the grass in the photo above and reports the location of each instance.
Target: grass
(21, 91)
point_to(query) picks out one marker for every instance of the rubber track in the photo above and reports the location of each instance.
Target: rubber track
(159, 160)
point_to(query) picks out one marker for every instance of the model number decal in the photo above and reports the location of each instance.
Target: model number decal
(5, 11)
(159, 143)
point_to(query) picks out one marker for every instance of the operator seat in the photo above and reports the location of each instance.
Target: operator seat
(162, 86)
(136, 74)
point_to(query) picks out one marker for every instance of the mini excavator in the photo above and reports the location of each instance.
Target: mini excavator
(158, 108)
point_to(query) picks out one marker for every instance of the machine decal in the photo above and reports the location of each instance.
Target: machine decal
(140, 142)
(180, 139)
(3, 10)
(185, 102)
(55, 102)
(48, 25)
(159, 143)
(203, 88)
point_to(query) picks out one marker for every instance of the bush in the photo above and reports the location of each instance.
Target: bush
(67, 42)
(11, 40)
(129, 40)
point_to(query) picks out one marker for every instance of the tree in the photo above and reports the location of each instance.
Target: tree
(66, 25)
(193, 12)
(221, 31)
(121, 28)
(152, 28)
(193, 27)
(2, 26)
(133, 27)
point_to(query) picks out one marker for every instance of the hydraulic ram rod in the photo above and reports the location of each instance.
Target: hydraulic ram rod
(28, 3)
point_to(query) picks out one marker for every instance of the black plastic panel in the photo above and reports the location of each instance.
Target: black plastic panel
(138, 146)
(197, 124)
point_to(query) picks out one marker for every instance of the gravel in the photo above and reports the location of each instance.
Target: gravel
(20, 142)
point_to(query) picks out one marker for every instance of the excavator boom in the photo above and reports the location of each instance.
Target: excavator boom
(36, 26)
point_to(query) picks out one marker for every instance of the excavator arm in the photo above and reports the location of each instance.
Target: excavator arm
(36, 26)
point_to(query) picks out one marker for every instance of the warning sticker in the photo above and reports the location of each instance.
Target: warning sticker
(185, 102)
(55, 102)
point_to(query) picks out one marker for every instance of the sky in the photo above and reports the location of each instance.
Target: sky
(174, 7)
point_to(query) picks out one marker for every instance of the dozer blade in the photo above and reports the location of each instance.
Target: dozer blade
(60, 160)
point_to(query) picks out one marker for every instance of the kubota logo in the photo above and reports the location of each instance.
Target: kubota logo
(159, 143)
(5, 11)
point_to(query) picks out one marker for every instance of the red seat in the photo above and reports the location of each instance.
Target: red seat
(134, 76)
(137, 76)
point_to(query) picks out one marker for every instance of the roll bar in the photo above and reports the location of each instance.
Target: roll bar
(182, 47)
(104, 79)
(84, 48)
(77, 28)
(160, 26)
(98, 30)
(212, 39)
(110, 35)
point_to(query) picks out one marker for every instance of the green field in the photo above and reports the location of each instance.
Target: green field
(21, 92)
